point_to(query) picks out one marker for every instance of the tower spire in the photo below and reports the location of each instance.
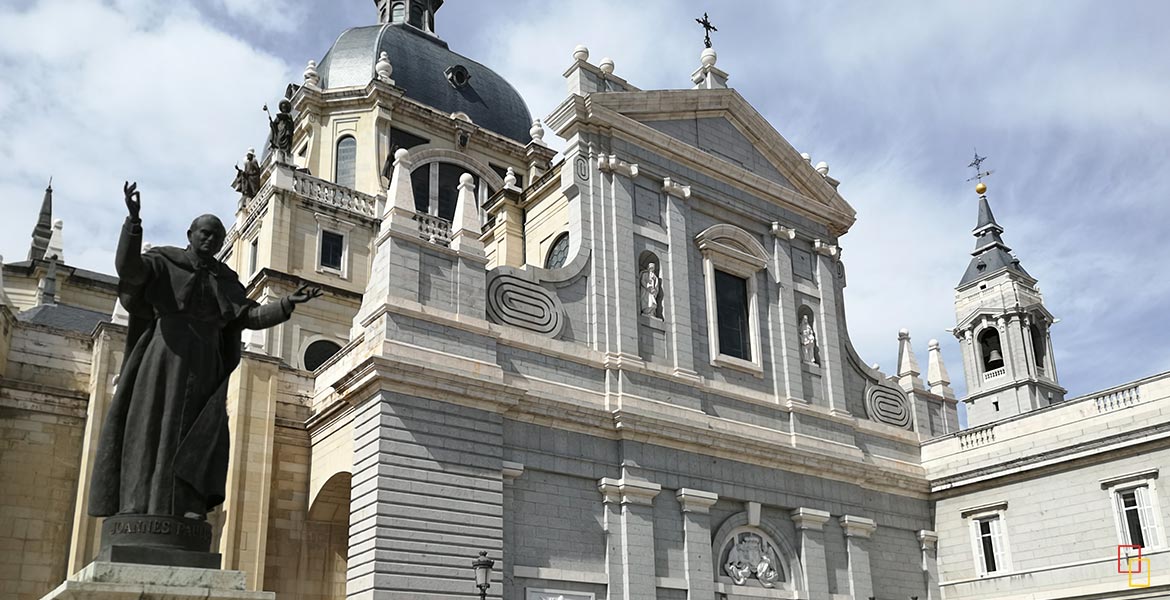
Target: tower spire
(991, 253)
(43, 230)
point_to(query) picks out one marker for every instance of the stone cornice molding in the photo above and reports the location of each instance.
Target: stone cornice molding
(859, 527)
(628, 490)
(384, 97)
(928, 539)
(809, 518)
(696, 501)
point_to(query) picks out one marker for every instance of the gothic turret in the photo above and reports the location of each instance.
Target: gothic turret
(1003, 328)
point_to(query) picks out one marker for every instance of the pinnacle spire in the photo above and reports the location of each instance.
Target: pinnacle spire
(991, 253)
(43, 231)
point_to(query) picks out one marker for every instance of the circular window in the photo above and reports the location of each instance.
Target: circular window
(318, 352)
(458, 75)
(558, 253)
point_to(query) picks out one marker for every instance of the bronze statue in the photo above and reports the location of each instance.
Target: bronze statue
(247, 181)
(281, 128)
(164, 445)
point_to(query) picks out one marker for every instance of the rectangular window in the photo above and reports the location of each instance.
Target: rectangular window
(253, 255)
(1136, 511)
(987, 544)
(731, 312)
(332, 249)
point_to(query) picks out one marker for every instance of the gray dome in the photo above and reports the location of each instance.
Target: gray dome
(420, 64)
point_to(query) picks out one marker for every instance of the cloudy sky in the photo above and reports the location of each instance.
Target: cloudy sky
(1068, 99)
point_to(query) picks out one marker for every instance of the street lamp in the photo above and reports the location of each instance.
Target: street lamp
(483, 571)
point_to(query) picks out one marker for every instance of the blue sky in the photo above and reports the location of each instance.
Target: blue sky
(1068, 99)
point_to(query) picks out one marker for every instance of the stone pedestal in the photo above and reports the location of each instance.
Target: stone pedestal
(120, 581)
(157, 540)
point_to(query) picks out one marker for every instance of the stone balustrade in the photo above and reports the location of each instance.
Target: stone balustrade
(435, 230)
(331, 194)
(1117, 399)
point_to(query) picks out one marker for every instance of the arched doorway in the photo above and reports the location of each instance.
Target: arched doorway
(325, 544)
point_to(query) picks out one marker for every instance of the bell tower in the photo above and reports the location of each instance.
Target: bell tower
(1002, 327)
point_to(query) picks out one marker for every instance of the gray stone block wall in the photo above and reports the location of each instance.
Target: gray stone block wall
(426, 481)
(669, 551)
(718, 136)
(557, 522)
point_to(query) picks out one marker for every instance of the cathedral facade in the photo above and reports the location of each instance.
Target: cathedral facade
(621, 370)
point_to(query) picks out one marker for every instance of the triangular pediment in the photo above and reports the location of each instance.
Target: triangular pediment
(726, 128)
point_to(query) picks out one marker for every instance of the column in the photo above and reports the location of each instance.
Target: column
(696, 508)
(629, 527)
(857, 532)
(810, 533)
(929, 542)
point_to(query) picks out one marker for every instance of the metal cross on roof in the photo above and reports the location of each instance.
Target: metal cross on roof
(977, 164)
(708, 27)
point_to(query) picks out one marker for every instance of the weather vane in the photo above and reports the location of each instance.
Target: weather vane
(708, 27)
(977, 164)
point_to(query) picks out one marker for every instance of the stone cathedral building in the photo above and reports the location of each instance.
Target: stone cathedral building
(622, 369)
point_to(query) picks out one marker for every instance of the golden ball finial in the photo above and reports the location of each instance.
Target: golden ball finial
(980, 188)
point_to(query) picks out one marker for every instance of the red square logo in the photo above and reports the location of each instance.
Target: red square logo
(1127, 558)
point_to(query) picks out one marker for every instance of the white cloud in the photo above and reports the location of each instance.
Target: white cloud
(99, 93)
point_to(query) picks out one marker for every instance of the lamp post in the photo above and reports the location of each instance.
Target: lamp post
(483, 571)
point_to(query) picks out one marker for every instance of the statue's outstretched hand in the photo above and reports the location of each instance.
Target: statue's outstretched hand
(133, 198)
(304, 294)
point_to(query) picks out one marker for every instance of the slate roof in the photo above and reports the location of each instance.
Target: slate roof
(28, 266)
(61, 316)
(420, 63)
(991, 253)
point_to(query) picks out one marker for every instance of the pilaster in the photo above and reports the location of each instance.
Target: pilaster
(857, 533)
(786, 359)
(678, 278)
(511, 471)
(810, 532)
(108, 347)
(251, 408)
(929, 544)
(470, 272)
(508, 230)
(830, 340)
(629, 527)
(618, 256)
(696, 507)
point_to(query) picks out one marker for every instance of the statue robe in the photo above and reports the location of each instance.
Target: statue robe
(163, 448)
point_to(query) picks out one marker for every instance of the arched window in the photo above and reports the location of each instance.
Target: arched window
(990, 349)
(318, 352)
(558, 252)
(417, 15)
(398, 12)
(436, 188)
(1039, 346)
(345, 173)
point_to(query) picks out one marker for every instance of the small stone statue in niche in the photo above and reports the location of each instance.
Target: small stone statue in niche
(808, 341)
(651, 285)
(247, 181)
(281, 131)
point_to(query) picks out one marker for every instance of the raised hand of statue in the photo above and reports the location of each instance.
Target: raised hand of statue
(304, 293)
(133, 199)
